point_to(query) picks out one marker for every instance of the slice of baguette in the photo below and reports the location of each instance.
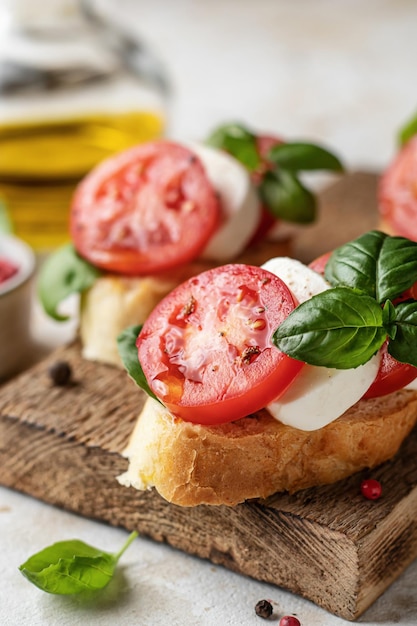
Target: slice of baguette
(257, 456)
(115, 302)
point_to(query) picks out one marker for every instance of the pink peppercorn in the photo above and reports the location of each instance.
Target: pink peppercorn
(289, 620)
(371, 489)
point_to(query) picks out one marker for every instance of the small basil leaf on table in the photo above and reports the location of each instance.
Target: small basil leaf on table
(299, 157)
(286, 198)
(338, 328)
(403, 346)
(70, 567)
(237, 141)
(63, 273)
(126, 344)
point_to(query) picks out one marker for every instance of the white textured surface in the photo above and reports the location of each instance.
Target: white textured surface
(339, 72)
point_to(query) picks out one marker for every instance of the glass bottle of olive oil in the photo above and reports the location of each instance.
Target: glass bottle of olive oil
(73, 91)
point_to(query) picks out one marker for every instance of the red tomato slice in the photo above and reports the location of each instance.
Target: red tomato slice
(148, 209)
(206, 350)
(392, 375)
(319, 264)
(397, 192)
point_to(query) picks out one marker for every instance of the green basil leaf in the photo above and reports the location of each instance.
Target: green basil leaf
(298, 157)
(126, 344)
(69, 567)
(403, 346)
(63, 273)
(376, 264)
(237, 141)
(408, 131)
(355, 263)
(338, 328)
(389, 317)
(397, 267)
(286, 198)
(6, 225)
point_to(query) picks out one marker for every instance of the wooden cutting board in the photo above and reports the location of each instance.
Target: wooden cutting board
(330, 545)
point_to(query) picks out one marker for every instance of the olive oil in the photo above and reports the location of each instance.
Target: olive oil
(41, 163)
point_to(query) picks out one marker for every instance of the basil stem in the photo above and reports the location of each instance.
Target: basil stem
(70, 567)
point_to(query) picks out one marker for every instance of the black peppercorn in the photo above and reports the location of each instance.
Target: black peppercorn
(264, 609)
(60, 373)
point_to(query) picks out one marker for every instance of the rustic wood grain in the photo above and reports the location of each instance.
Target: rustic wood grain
(63, 444)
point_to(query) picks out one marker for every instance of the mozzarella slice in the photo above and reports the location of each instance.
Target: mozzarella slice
(239, 201)
(319, 395)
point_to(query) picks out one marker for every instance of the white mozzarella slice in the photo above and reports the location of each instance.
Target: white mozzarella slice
(239, 200)
(412, 386)
(319, 395)
(302, 280)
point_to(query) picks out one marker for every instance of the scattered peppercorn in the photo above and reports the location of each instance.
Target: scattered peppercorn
(289, 620)
(60, 373)
(264, 609)
(371, 489)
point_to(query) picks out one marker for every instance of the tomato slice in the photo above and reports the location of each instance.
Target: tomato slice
(206, 350)
(146, 210)
(319, 264)
(397, 193)
(392, 375)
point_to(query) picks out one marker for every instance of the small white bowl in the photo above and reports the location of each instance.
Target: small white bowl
(15, 306)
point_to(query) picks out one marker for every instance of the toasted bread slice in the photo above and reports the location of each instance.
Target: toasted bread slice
(257, 456)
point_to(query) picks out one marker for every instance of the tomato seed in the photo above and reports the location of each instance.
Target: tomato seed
(258, 324)
(371, 489)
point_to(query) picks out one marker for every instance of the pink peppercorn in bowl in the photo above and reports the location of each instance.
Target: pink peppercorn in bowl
(17, 267)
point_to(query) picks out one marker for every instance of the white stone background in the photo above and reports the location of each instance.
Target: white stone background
(341, 72)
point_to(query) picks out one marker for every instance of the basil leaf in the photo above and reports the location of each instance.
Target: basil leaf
(304, 157)
(355, 263)
(126, 344)
(6, 225)
(397, 267)
(376, 264)
(69, 567)
(237, 141)
(404, 345)
(408, 131)
(286, 198)
(338, 328)
(63, 273)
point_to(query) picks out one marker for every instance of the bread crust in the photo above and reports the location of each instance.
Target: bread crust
(115, 302)
(257, 456)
